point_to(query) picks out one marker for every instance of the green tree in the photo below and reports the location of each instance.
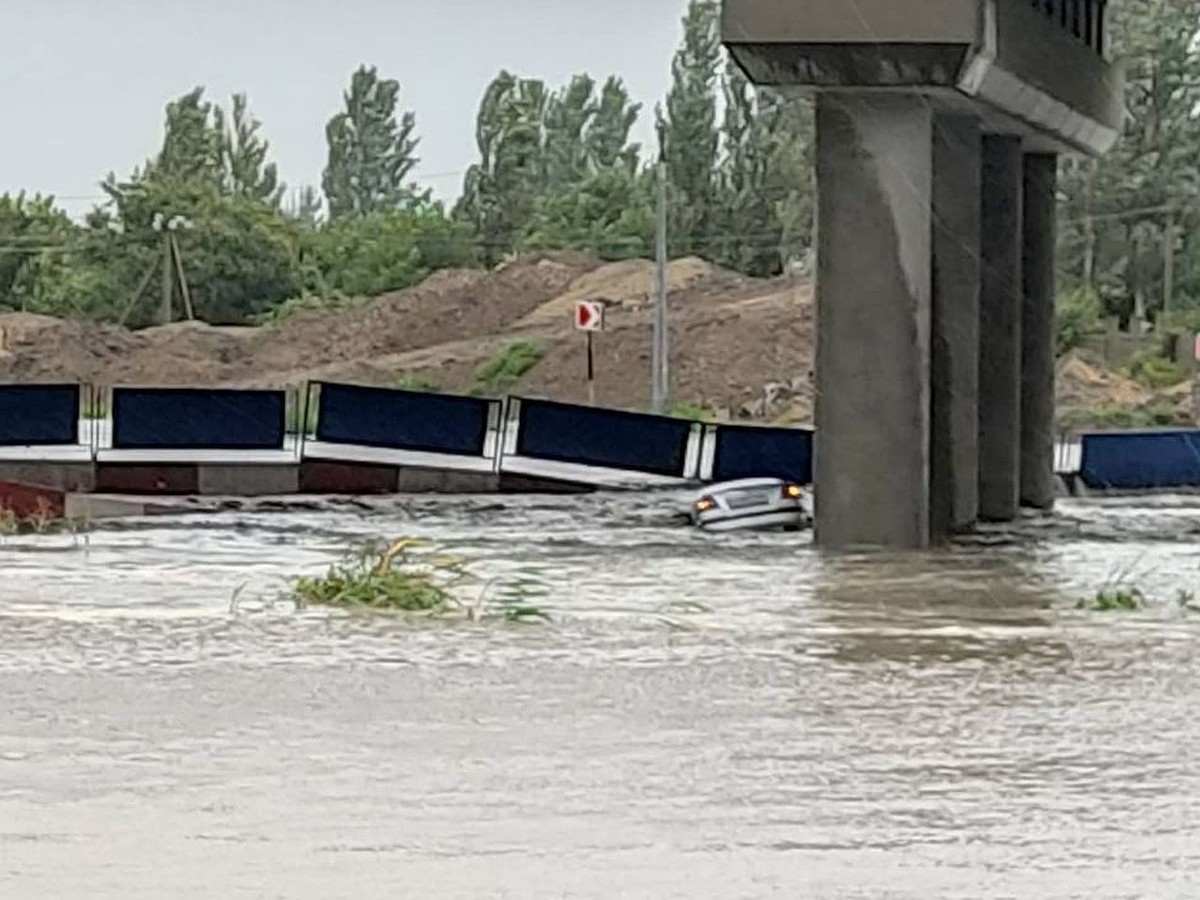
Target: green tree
(191, 150)
(545, 156)
(370, 152)
(305, 206)
(766, 185)
(607, 137)
(34, 234)
(243, 155)
(237, 250)
(388, 251)
(1117, 209)
(688, 135)
(610, 214)
(500, 192)
(791, 181)
(565, 119)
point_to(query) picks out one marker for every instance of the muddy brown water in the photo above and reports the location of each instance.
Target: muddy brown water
(706, 717)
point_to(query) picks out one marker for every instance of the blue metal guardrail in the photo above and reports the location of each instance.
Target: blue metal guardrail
(603, 439)
(742, 451)
(39, 415)
(1141, 460)
(404, 420)
(197, 419)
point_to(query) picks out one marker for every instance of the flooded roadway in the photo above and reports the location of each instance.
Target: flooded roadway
(706, 717)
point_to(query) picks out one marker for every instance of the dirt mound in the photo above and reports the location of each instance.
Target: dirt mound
(40, 348)
(186, 353)
(625, 286)
(730, 336)
(451, 305)
(1085, 384)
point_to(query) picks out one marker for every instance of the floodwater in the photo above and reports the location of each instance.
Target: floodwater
(706, 716)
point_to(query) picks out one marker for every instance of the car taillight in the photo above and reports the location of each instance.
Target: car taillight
(704, 504)
(792, 492)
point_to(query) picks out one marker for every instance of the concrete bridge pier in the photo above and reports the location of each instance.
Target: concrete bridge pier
(939, 125)
(1039, 235)
(954, 362)
(875, 176)
(1000, 330)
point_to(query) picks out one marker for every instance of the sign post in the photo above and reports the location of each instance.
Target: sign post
(589, 318)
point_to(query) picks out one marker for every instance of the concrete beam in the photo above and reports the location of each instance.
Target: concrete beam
(1046, 73)
(954, 438)
(1037, 331)
(875, 170)
(1000, 330)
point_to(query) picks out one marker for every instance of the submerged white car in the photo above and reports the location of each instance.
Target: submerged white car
(753, 503)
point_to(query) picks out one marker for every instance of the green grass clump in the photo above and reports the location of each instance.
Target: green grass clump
(693, 412)
(1112, 416)
(281, 312)
(413, 383)
(94, 407)
(409, 576)
(499, 374)
(1114, 600)
(1154, 371)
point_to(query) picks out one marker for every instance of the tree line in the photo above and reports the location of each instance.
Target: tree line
(556, 168)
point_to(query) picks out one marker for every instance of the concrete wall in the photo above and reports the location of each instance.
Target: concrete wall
(247, 481)
(65, 476)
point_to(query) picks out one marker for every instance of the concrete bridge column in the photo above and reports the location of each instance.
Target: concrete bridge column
(954, 438)
(1000, 329)
(1037, 332)
(875, 177)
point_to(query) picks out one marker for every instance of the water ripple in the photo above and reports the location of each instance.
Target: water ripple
(735, 716)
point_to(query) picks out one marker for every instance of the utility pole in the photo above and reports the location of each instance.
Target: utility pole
(660, 379)
(1168, 268)
(172, 267)
(168, 276)
(184, 290)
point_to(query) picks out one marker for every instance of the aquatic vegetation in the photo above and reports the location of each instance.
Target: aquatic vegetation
(1114, 599)
(414, 577)
(1132, 599)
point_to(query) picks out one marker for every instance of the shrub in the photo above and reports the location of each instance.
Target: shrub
(499, 374)
(1154, 371)
(1079, 312)
(1114, 416)
(412, 577)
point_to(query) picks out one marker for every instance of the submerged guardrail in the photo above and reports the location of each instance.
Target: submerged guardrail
(517, 436)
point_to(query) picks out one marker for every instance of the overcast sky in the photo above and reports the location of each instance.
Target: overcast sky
(83, 83)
